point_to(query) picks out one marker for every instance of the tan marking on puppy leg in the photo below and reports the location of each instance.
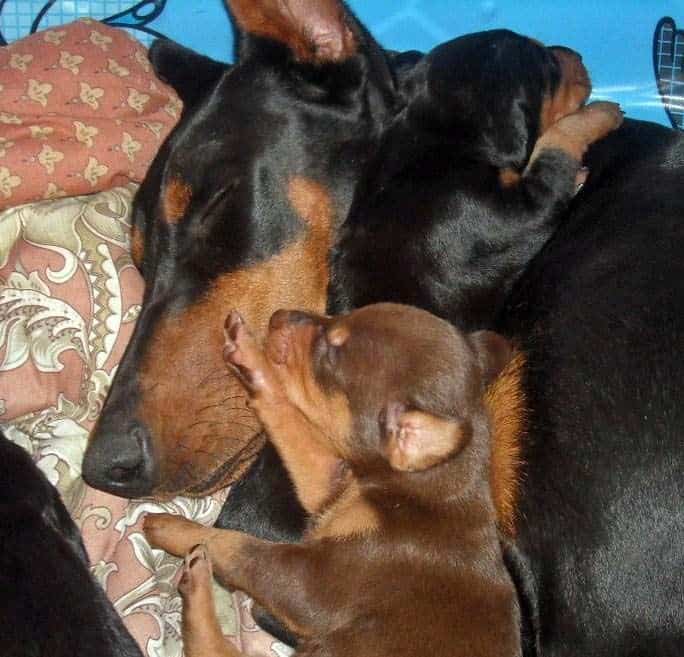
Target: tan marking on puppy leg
(574, 133)
(202, 634)
(175, 200)
(506, 404)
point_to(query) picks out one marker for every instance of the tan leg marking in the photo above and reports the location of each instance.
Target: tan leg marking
(506, 404)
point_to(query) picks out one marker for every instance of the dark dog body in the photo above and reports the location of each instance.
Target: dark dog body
(600, 316)
(50, 604)
(599, 311)
(389, 451)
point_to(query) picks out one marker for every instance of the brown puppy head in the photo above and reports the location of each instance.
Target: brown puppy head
(386, 383)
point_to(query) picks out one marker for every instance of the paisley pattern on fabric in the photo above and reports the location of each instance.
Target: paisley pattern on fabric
(69, 298)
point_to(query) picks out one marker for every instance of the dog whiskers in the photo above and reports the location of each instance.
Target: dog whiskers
(219, 403)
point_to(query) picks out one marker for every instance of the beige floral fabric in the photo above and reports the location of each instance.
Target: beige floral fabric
(69, 298)
(80, 111)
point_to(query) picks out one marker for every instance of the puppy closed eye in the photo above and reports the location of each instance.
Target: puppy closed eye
(327, 353)
(335, 339)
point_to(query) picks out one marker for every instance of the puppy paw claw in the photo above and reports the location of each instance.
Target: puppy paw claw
(240, 350)
(246, 358)
(197, 571)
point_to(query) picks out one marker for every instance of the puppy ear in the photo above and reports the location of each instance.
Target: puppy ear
(189, 73)
(416, 440)
(316, 31)
(494, 352)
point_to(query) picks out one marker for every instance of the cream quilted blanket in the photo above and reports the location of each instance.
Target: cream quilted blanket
(69, 298)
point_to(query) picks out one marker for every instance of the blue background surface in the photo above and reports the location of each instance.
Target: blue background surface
(613, 36)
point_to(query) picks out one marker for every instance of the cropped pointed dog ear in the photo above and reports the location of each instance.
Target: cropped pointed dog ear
(494, 352)
(316, 31)
(416, 440)
(191, 75)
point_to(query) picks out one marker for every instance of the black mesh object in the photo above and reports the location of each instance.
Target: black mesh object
(668, 64)
(136, 17)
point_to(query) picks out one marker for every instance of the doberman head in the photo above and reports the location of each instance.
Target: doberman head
(240, 209)
(237, 210)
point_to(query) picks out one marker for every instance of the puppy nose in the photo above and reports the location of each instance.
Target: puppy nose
(282, 318)
(121, 463)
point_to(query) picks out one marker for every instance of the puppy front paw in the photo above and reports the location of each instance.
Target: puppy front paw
(575, 132)
(593, 121)
(173, 534)
(240, 351)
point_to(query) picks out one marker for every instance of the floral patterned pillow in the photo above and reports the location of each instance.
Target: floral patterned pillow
(69, 298)
(80, 111)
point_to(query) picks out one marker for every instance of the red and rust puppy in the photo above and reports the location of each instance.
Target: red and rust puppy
(381, 421)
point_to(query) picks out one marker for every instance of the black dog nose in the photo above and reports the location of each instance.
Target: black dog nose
(126, 465)
(121, 462)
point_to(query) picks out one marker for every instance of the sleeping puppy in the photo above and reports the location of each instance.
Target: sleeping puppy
(471, 179)
(380, 420)
(49, 602)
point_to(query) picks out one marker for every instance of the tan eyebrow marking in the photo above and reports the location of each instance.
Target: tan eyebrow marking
(175, 200)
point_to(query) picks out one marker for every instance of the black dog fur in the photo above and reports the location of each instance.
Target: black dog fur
(49, 602)
(431, 225)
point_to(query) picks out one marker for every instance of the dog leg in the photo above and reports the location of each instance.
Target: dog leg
(527, 211)
(278, 576)
(314, 468)
(202, 635)
(174, 534)
(574, 133)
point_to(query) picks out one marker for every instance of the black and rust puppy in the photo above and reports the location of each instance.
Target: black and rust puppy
(49, 602)
(380, 418)
(471, 178)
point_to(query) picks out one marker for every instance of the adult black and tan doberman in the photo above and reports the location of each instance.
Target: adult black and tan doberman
(318, 141)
